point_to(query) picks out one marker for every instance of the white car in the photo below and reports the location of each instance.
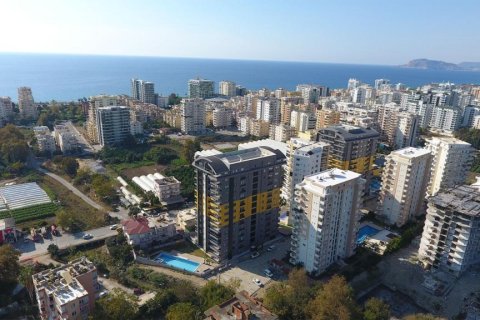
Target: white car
(113, 227)
(257, 282)
(268, 273)
(88, 236)
(271, 248)
(255, 255)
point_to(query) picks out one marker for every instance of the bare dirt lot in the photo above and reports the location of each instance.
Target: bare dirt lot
(133, 172)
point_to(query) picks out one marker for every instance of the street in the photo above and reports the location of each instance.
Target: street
(32, 249)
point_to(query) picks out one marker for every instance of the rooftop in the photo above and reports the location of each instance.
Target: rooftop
(449, 140)
(463, 199)
(22, 195)
(331, 177)
(349, 132)
(264, 143)
(411, 152)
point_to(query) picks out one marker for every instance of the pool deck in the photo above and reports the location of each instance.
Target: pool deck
(201, 268)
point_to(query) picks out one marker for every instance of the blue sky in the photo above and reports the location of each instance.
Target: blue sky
(366, 32)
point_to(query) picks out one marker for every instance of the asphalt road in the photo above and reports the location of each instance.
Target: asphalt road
(32, 249)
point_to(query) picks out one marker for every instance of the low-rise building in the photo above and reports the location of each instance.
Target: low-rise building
(65, 139)
(143, 232)
(187, 219)
(67, 292)
(8, 232)
(167, 190)
(45, 140)
(241, 307)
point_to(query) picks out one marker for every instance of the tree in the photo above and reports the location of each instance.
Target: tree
(289, 299)
(189, 149)
(334, 301)
(173, 99)
(376, 309)
(214, 293)
(133, 210)
(53, 250)
(116, 305)
(67, 221)
(9, 266)
(421, 316)
(70, 166)
(157, 307)
(183, 311)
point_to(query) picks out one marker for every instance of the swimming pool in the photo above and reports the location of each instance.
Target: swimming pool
(364, 232)
(177, 262)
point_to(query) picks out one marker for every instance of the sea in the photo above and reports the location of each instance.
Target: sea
(72, 77)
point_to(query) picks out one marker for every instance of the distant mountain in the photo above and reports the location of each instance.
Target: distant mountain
(431, 65)
(474, 66)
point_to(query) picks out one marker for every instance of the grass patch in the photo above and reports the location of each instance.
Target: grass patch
(33, 212)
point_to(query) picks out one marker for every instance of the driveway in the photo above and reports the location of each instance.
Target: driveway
(32, 249)
(250, 269)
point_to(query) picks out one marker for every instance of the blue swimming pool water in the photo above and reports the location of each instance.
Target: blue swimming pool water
(364, 232)
(177, 262)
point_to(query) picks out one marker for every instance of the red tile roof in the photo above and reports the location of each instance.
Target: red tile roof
(136, 226)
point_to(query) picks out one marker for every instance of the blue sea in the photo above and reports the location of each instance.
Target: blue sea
(70, 77)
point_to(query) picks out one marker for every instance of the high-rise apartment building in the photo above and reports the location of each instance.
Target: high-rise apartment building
(268, 109)
(282, 132)
(237, 200)
(302, 121)
(311, 93)
(67, 292)
(404, 183)
(26, 105)
(326, 118)
(113, 125)
(446, 118)
(451, 162)
(227, 88)
(353, 148)
(326, 211)
(304, 158)
(143, 90)
(380, 83)
(193, 116)
(6, 109)
(201, 88)
(407, 130)
(451, 235)
(96, 102)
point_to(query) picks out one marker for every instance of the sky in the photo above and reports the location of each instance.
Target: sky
(387, 32)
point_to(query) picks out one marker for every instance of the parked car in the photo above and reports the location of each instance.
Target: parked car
(271, 248)
(257, 282)
(255, 255)
(103, 294)
(138, 291)
(87, 236)
(268, 273)
(113, 227)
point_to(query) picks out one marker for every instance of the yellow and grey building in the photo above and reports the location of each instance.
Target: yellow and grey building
(352, 148)
(237, 200)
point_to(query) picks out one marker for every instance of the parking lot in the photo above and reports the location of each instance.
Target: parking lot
(250, 269)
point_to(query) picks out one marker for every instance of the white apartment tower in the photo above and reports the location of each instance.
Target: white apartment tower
(451, 162)
(406, 132)
(326, 214)
(451, 235)
(404, 182)
(27, 106)
(268, 110)
(113, 125)
(304, 158)
(193, 116)
(227, 88)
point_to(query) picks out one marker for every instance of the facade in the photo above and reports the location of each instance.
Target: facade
(193, 116)
(67, 292)
(241, 307)
(113, 125)
(237, 200)
(221, 117)
(143, 90)
(201, 88)
(407, 130)
(96, 102)
(259, 128)
(145, 232)
(6, 109)
(404, 183)
(311, 93)
(66, 140)
(446, 118)
(268, 110)
(326, 118)
(282, 132)
(26, 105)
(304, 158)
(451, 162)
(326, 211)
(302, 121)
(353, 148)
(227, 88)
(45, 140)
(451, 235)
(167, 190)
